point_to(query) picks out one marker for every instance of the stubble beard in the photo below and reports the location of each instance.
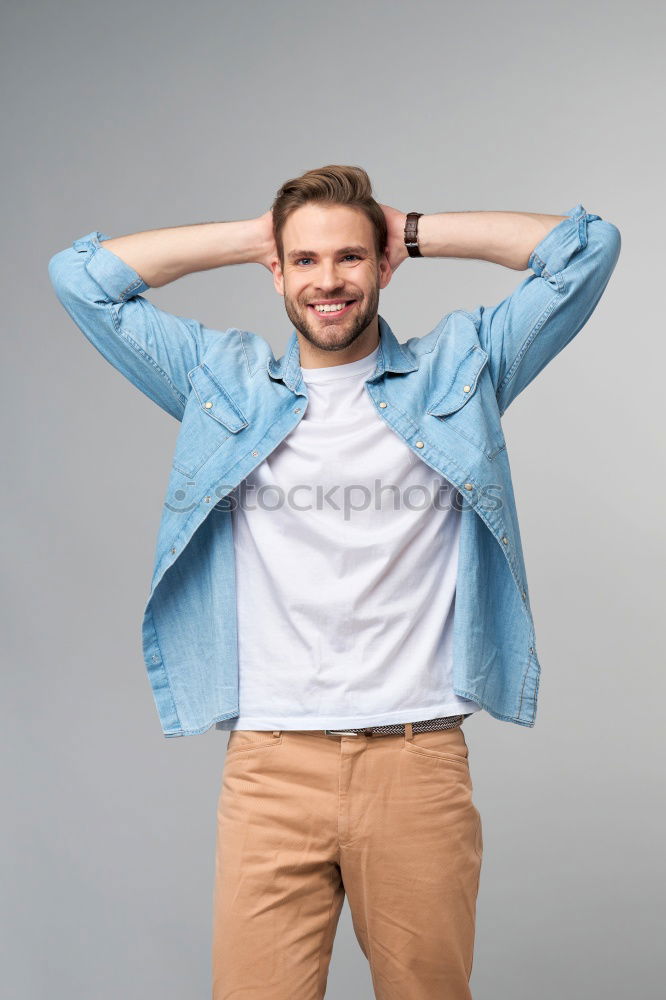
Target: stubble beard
(332, 336)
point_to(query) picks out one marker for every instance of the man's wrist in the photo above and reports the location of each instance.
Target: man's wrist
(411, 234)
(425, 234)
(248, 239)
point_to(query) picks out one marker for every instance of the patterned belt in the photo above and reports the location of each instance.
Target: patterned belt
(426, 726)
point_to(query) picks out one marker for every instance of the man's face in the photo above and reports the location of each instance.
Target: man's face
(330, 257)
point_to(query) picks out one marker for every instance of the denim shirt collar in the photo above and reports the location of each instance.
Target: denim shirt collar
(391, 357)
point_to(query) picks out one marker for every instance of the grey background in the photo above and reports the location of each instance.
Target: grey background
(120, 118)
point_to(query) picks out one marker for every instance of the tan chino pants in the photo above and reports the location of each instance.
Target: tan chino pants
(304, 819)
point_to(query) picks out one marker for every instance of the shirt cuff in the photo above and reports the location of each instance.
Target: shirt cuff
(552, 254)
(117, 279)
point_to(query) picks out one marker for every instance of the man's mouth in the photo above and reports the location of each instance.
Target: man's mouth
(331, 309)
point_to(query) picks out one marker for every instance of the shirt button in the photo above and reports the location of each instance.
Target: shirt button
(419, 444)
(469, 486)
(524, 595)
(173, 552)
(207, 499)
(208, 405)
(297, 410)
(383, 404)
(156, 658)
(255, 453)
(466, 388)
(505, 539)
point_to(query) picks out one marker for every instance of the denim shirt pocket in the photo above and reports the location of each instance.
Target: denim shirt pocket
(468, 405)
(211, 418)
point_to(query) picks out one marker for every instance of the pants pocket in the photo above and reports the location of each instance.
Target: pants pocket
(247, 740)
(442, 744)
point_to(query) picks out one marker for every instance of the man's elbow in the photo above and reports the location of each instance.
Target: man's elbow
(609, 243)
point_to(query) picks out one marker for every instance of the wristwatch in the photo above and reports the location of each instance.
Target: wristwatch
(411, 234)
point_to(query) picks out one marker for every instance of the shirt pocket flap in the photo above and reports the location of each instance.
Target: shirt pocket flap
(215, 400)
(462, 384)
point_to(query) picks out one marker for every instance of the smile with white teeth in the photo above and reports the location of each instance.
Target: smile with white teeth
(331, 308)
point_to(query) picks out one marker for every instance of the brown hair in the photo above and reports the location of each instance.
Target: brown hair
(336, 185)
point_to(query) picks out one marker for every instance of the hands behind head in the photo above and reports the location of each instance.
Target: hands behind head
(396, 250)
(268, 248)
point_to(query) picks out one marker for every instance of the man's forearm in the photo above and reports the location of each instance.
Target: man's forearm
(160, 256)
(506, 238)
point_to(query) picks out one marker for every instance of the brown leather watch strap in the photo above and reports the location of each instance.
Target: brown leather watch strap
(411, 234)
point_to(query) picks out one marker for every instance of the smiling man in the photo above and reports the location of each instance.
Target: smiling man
(339, 579)
(331, 294)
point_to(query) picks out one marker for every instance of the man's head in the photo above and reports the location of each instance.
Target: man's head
(331, 236)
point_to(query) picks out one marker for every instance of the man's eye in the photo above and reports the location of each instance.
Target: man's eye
(356, 256)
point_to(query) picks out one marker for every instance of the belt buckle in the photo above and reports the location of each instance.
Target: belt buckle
(341, 732)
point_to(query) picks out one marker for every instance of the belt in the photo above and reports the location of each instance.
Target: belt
(426, 726)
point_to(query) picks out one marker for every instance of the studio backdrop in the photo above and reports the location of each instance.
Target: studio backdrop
(125, 117)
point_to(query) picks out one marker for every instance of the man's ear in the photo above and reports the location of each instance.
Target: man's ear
(278, 277)
(385, 270)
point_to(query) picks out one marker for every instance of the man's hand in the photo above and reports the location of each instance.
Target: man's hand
(396, 251)
(268, 251)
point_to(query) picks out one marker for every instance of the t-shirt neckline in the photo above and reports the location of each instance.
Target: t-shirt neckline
(335, 372)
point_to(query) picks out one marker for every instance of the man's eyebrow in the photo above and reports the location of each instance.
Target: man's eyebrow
(294, 254)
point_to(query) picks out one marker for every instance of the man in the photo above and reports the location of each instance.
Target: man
(360, 589)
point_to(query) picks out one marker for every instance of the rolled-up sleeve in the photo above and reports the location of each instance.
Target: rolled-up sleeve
(152, 348)
(571, 267)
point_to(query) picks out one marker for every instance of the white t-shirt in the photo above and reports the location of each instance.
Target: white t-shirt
(346, 548)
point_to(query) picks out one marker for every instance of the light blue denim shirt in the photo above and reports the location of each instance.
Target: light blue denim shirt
(442, 393)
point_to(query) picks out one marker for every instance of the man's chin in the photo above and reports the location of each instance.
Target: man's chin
(331, 339)
(332, 335)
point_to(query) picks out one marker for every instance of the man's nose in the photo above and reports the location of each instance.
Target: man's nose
(329, 277)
